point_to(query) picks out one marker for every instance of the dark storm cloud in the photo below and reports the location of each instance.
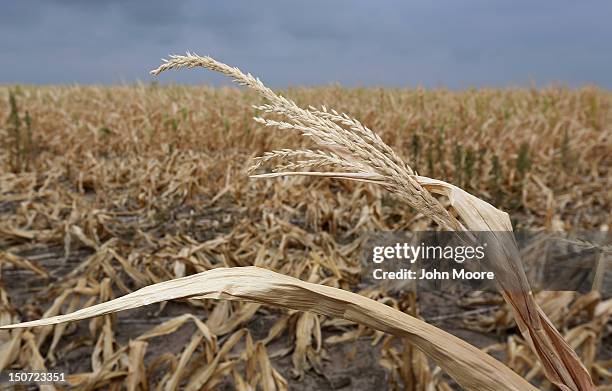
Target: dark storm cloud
(444, 43)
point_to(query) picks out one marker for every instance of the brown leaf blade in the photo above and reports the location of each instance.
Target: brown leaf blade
(470, 367)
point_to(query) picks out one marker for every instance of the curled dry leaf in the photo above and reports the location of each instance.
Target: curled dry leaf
(470, 367)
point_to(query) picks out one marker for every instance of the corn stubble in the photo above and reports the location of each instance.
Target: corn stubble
(348, 150)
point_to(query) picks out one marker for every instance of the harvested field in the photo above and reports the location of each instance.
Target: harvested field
(104, 190)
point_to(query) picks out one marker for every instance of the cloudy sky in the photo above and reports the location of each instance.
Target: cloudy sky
(456, 44)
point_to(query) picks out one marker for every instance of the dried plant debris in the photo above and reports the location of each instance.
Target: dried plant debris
(108, 190)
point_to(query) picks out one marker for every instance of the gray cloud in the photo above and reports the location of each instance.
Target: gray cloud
(354, 42)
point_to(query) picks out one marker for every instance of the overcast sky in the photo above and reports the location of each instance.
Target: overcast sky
(451, 43)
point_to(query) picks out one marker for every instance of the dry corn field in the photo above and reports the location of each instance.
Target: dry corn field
(106, 190)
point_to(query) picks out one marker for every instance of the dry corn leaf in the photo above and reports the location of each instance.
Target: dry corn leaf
(469, 366)
(136, 370)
